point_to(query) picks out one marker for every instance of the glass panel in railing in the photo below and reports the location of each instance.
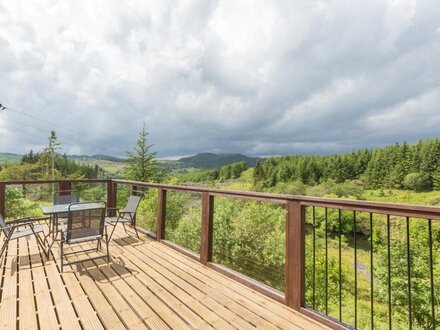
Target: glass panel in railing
(183, 219)
(26, 200)
(147, 211)
(249, 237)
(89, 192)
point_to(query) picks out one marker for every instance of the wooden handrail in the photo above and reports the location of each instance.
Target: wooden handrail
(428, 212)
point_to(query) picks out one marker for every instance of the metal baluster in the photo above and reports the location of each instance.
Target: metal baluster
(408, 255)
(431, 275)
(314, 257)
(355, 269)
(372, 272)
(390, 323)
(326, 263)
(340, 266)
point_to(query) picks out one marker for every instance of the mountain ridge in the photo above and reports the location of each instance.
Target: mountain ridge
(204, 160)
(210, 160)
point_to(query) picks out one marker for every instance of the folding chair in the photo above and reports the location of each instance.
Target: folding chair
(84, 224)
(10, 231)
(127, 215)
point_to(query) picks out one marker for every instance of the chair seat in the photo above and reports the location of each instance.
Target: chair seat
(114, 219)
(86, 235)
(26, 232)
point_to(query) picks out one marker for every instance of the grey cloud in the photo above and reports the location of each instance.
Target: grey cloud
(222, 76)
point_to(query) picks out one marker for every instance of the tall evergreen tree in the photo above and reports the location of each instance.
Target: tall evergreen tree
(142, 165)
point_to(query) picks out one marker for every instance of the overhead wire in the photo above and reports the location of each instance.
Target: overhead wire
(21, 125)
(71, 132)
(61, 127)
(76, 136)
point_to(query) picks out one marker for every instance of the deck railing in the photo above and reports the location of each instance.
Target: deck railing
(347, 263)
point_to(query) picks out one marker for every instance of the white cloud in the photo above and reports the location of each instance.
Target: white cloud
(255, 77)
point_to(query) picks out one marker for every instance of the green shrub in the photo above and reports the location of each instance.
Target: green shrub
(417, 182)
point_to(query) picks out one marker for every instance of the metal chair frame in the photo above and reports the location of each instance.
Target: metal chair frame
(122, 215)
(65, 239)
(10, 227)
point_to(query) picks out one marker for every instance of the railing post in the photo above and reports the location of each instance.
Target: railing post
(133, 188)
(3, 199)
(161, 213)
(295, 255)
(65, 187)
(207, 228)
(111, 196)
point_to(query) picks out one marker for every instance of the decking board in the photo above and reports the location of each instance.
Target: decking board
(8, 307)
(146, 285)
(194, 310)
(45, 308)
(27, 308)
(151, 265)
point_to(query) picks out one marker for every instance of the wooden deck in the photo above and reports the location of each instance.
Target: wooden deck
(147, 285)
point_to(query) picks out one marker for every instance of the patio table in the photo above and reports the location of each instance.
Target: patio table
(55, 210)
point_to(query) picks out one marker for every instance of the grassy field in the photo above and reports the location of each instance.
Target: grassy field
(9, 158)
(379, 195)
(403, 196)
(112, 169)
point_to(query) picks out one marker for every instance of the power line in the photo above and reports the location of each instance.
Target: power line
(21, 125)
(60, 127)
(78, 137)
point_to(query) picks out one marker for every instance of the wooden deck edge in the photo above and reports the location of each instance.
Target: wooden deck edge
(181, 249)
(149, 234)
(249, 282)
(322, 319)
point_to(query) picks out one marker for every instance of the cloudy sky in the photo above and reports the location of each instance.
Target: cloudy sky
(249, 76)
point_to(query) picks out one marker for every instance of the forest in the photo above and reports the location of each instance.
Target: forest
(402, 166)
(38, 166)
(399, 166)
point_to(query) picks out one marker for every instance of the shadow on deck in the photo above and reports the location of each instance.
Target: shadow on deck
(146, 285)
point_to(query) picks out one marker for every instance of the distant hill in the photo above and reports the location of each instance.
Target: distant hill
(86, 158)
(108, 158)
(199, 161)
(210, 160)
(7, 157)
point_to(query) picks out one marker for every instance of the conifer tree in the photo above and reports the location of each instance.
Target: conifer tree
(142, 165)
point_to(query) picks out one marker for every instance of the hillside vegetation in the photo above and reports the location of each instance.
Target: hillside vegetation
(209, 160)
(9, 158)
(399, 166)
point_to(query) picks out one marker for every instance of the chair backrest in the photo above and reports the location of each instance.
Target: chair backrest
(64, 199)
(4, 226)
(85, 223)
(132, 203)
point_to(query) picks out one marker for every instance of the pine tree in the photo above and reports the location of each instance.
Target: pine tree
(142, 165)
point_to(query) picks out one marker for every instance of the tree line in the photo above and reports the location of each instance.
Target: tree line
(399, 166)
(34, 166)
(226, 172)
